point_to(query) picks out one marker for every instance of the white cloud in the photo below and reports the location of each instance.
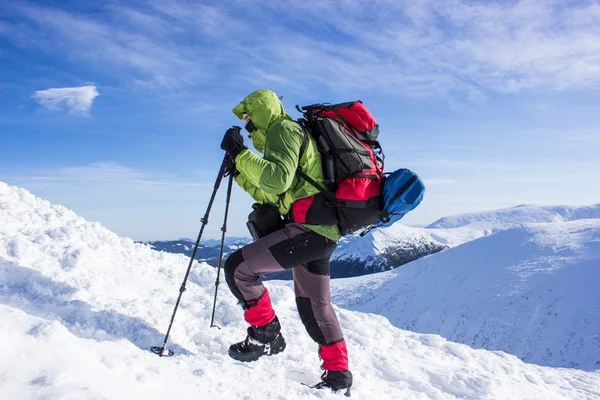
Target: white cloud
(102, 171)
(426, 49)
(76, 100)
(136, 48)
(110, 173)
(438, 49)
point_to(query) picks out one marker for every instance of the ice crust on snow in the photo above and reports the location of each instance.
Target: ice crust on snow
(80, 308)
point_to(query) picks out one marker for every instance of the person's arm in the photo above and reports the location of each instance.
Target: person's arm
(274, 173)
(257, 194)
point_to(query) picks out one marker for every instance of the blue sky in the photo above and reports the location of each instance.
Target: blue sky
(116, 109)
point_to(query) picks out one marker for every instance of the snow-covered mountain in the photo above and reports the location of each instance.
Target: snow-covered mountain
(532, 291)
(80, 306)
(519, 215)
(390, 247)
(382, 249)
(463, 228)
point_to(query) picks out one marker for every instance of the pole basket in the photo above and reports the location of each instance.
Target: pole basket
(161, 351)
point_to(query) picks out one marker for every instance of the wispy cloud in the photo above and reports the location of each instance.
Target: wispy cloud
(76, 100)
(421, 49)
(102, 171)
(105, 172)
(131, 44)
(432, 49)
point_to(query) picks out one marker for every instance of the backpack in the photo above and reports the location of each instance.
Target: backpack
(354, 195)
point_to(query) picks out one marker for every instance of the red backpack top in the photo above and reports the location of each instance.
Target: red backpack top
(346, 135)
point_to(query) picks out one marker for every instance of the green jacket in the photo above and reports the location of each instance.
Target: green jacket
(272, 178)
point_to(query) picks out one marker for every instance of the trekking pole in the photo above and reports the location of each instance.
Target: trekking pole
(224, 229)
(163, 351)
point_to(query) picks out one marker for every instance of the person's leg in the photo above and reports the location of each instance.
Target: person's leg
(314, 303)
(242, 269)
(311, 285)
(284, 249)
(287, 248)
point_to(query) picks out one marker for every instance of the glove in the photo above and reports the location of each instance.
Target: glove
(233, 142)
(230, 168)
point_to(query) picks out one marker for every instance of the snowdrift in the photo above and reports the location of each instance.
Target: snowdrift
(531, 291)
(80, 307)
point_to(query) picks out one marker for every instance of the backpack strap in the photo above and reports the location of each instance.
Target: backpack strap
(378, 151)
(327, 193)
(304, 141)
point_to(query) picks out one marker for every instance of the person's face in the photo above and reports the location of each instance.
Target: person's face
(246, 118)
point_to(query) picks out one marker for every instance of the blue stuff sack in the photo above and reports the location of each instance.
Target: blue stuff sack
(402, 192)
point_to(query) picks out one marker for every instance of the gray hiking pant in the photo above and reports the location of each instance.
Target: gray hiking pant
(307, 253)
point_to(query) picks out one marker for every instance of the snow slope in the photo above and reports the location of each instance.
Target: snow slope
(532, 291)
(80, 306)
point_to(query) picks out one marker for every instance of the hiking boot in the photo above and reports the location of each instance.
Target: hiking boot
(261, 340)
(335, 380)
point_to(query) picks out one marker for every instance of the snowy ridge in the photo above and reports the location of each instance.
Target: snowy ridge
(514, 216)
(80, 307)
(531, 291)
(462, 228)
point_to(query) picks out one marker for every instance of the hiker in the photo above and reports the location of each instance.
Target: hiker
(304, 248)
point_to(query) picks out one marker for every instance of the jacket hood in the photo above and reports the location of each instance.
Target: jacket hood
(264, 108)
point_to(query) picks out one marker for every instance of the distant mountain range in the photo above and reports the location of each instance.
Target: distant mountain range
(380, 250)
(207, 250)
(386, 248)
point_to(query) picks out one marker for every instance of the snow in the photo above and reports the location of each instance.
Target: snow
(531, 291)
(80, 308)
